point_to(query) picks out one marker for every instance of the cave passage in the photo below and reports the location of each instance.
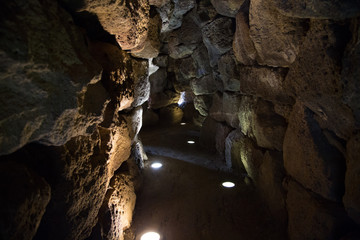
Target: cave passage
(264, 94)
(185, 199)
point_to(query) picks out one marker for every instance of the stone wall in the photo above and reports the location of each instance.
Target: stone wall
(275, 85)
(276, 88)
(70, 117)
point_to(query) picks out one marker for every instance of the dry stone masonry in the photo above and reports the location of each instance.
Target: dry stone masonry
(274, 86)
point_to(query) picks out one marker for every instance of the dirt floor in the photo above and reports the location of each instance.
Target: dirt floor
(184, 200)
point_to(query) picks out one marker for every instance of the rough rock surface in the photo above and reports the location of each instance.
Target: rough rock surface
(264, 82)
(37, 75)
(151, 46)
(229, 72)
(350, 74)
(309, 158)
(120, 202)
(24, 197)
(335, 9)
(213, 135)
(352, 179)
(187, 68)
(203, 13)
(318, 81)
(217, 37)
(123, 77)
(128, 20)
(202, 104)
(203, 86)
(172, 13)
(311, 217)
(179, 50)
(242, 154)
(243, 46)
(267, 126)
(201, 59)
(271, 175)
(158, 3)
(277, 38)
(161, 61)
(158, 81)
(227, 8)
(225, 108)
(78, 175)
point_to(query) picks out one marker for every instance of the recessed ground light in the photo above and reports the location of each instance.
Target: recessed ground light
(182, 123)
(156, 165)
(190, 142)
(150, 236)
(228, 184)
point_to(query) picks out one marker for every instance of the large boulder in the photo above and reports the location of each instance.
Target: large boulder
(178, 50)
(229, 72)
(128, 20)
(150, 48)
(47, 76)
(277, 38)
(311, 217)
(172, 13)
(124, 77)
(243, 154)
(202, 104)
(188, 68)
(246, 114)
(225, 108)
(117, 211)
(203, 13)
(352, 179)
(350, 76)
(24, 197)
(189, 32)
(309, 158)
(161, 61)
(201, 59)
(270, 185)
(158, 81)
(213, 135)
(217, 37)
(258, 120)
(315, 76)
(268, 127)
(227, 8)
(243, 46)
(78, 175)
(203, 86)
(134, 122)
(331, 9)
(158, 3)
(264, 82)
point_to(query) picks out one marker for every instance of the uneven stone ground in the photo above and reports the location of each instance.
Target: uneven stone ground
(184, 200)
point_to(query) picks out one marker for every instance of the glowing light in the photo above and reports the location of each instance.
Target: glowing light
(156, 165)
(190, 142)
(150, 236)
(228, 184)
(182, 123)
(181, 99)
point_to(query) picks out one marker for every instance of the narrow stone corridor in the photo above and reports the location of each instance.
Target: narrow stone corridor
(185, 199)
